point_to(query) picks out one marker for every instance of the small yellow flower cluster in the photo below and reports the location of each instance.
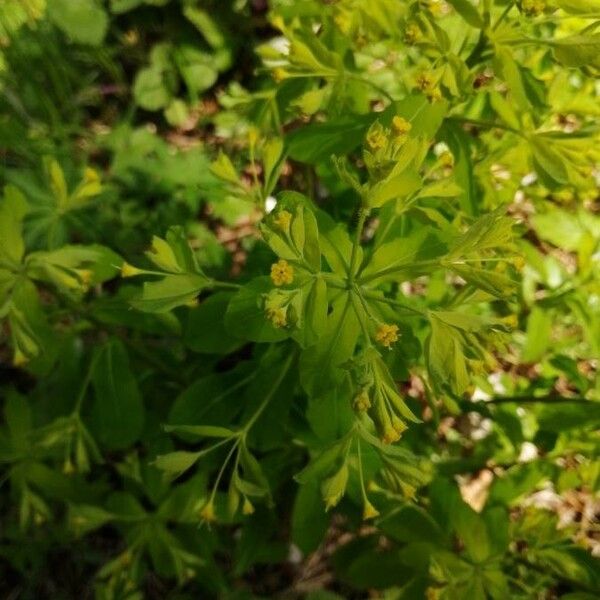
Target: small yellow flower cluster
(283, 220)
(426, 83)
(362, 402)
(19, 359)
(279, 74)
(128, 270)
(533, 8)
(282, 273)
(390, 436)
(387, 334)
(68, 467)
(376, 138)
(208, 512)
(369, 511)
(447, 159)
(438, 8)
(401, 126)
(277, 316)
(510, 320)
(519, 263)
(85, 276)
(412, 34)
(248, 507)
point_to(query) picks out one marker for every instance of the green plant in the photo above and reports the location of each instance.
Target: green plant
(354, 311)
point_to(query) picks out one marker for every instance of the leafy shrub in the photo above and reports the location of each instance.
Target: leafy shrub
(300, 299)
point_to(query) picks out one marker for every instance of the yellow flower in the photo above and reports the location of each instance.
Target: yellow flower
(447, 159)
(369, 511)
(208, 512)
(282, 272)
(90, 175)
(128, 270)
(412, 33)
(390, 436)
(376, 137)
(387, 334)
(252, 136)
(519, 263)
(248, 507)
(533, 8)
(283, 220)
(277, 316)
(401, 126)
(424, 81)
(85, 276)
(510, 320)
(279, 74)
(434, 94)
(19, 358)
(362, 402)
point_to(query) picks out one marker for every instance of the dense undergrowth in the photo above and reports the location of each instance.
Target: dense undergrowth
(299, 299)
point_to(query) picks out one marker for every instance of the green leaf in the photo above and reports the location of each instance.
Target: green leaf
(117, 415)
(333, 488)
(210, 431)
(212, 399)
(445, 357)
(152, 90)
(579, 50)
(571, 563)
(205, 331)
(519, 480)
(84, 21)
(491, 231)
(335, 244)
(245, 317)
(176, 463)
(489, 280)
(320, 365)
(309, 519)
(547, 161)
(324, 462)
(173, 254)
(13, 209)
(396, 260)
(85, 518)
(394, 187)
(411, 523)
(170, 292)
(564, 416)
(510, 71)
(539, 329)
(468, 12)
(317, 142)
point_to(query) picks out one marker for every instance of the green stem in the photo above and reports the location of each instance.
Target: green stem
(85, 385)
(392, 302)
(362, 217)
(360, 471)
(504, 14)
(371, 84)
(535, 400)
(225, 285)
(282, 373)
(363, 325)
(487, 125)
(222, 469)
